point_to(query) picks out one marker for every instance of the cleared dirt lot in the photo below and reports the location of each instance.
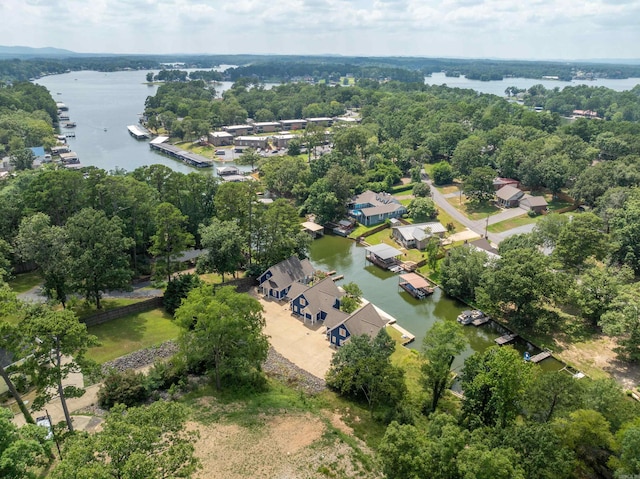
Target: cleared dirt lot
(305, 345)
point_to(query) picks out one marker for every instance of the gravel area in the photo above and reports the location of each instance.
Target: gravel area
(281, 368)
(142, 358)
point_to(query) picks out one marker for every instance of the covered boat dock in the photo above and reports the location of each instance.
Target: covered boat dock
(383, 255)
(137, 132)
(187, 157)
(415, 285)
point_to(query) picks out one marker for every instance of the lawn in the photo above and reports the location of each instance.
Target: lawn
(445, 219)
(131, 333)
(84, 309)
(512, 223)
(411, 254)
(408, 360)
(473, 210)
(361, 229)
(445, 190)
(25, 281)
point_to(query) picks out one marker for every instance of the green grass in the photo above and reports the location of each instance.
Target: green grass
(445, 219)
(25, 281)
(473, 210)
(512, 223)
(408, 360)
(131, 333)
(445, 190)
(84, 309)
(361, 229)
(384, 237)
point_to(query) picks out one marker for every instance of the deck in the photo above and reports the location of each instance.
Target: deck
(481, 321)
(540, 356)
(506, 339)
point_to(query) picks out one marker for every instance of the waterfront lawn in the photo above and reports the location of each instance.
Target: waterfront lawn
(384, 236)
(361, 229)
(132, 333)
(472, 210)
(22, 283)
(408, 360)
(512, 223)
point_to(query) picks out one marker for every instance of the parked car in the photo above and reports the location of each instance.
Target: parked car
(43, 421)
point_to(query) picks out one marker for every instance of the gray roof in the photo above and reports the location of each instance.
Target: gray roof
(383, 251)
(365, 320)
(381, 203)
(289, 271)
(418, 231)
(534, 201)
(509, 193)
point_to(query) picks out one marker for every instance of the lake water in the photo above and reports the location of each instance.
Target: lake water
(103, 104)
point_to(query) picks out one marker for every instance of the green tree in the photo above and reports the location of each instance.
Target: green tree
(628, 439)
(547, 231)
(58, 346)
(22, 159)
(442, 173)
(479, 462)
(440, 346)
(461, 271)
(149, 77)
(622, 321)
(518, 241)
(142, 442)
(421, 190)
(402, 452)
(422, 209)
(222, 241)
(352, 299)
(170, 239)
(580, 238)
(177, 289)
(551, 394)
(21, 449)
(494, 383)
(99, 254)
(478, 184)
(48, 247)
(222, 332)
(362, 369)
(248, 157)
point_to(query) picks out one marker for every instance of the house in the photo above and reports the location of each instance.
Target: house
(508, 196)
(298, 124)
(227, 170)
(238, 130)
(417, 235)
(277, 280)
(483, 245)
(315, 303)
(322, 121)
(366, 320)
(266, 126)
(371, 208)
(282, 141)
(533, 203)
(585, 114)
(255, 142)
(500, 182)
(220, 138)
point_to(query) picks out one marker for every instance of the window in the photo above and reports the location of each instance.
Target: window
(302, 301)
(343, 332)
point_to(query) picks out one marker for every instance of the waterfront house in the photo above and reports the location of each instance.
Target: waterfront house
(220, 138)
(297, 124)
(371, 208)
(238, 130)
(508, 196)
(366, 320)
(316, 302)
(266, 126)
(417, 235)
(277, 280)
(533, 203)
(484, 246)
(256, 142)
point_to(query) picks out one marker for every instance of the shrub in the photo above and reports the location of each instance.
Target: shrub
(532, 214)
(178, 289)
(421, 190)
(165, 374)
(128, 388)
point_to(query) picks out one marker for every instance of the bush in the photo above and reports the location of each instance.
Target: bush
(421, 190)
(178, 289)
(165, 374)
(128, 388)
(531, 214)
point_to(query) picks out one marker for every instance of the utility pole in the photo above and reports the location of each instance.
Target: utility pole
(486, 227)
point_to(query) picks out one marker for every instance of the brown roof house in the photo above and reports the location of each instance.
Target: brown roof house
(508, 196)
(366, 320)
(278, 280)
(533, 203)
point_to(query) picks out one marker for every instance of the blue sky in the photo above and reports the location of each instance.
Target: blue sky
(523, 29)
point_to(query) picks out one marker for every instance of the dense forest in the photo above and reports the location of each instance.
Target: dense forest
(283, 68)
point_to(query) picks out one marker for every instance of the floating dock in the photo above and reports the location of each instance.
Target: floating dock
(481, 321)
(507, 338)
(540, 356)
(137, 132)
(173, 151)
(337, 278)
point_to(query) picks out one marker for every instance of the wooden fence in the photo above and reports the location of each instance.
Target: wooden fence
(116, 313)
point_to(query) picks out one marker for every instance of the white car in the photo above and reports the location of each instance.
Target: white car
(44, 422)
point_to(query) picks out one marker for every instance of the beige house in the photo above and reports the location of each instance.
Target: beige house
(220, 138)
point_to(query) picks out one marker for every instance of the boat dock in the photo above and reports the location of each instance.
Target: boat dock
(541, 356)
(173, 151)
(415, 285)
(337, 278)
(481, 321)
(506, 339)
(407, 337)
(137, 132)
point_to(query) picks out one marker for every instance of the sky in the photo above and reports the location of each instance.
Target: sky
(514, 29)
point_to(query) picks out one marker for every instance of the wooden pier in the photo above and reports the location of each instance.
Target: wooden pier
(481, 321)
(506, 339)
(541, 356)
(337, 278)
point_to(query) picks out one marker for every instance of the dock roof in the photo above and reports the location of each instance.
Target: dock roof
(415, 280)
(383, 251)
(311, 226)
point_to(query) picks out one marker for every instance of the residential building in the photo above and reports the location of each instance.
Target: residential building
(238, 130)
(277, 280)
(220, 138)
(251, 141)
(508, 196)
(322, 121)
(485, 246)
(371, 208)
(282, 141)
(298, 124)
(500, 182)
(533, 203)
(266, 126)
(365, 321)
(417, 235)
(316, 302)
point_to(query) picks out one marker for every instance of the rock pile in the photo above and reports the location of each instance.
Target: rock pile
(284, 370)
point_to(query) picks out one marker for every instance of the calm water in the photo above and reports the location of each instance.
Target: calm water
(381, 287)
(498, 87)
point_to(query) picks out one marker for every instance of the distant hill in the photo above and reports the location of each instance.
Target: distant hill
(20, 51)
